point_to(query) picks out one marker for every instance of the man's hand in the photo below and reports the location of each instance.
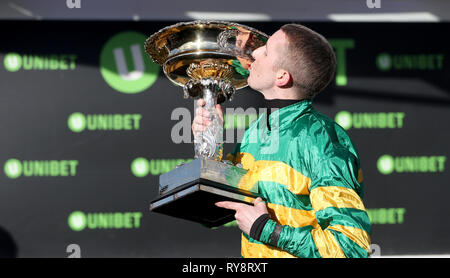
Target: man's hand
(202, 118)
(245, 214)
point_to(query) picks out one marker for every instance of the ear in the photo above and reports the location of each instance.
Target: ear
(283, 78)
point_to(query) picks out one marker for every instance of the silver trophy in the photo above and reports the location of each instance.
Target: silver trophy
(209, 59)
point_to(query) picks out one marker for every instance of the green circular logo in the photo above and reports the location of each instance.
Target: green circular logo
(385, 164)
(124, 64)
(12, 62)
(140, 167)
(344, 119)
(13, 168)
(77, 221)
(76, 122)
(384, 62)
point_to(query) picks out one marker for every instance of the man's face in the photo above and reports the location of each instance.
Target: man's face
(263, 70)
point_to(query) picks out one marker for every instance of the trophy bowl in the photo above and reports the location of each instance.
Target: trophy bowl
(201, 49)
(210, 60)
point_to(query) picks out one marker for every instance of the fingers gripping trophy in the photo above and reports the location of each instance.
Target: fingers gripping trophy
(209, 59)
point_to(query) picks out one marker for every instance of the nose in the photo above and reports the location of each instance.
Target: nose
(256, 51)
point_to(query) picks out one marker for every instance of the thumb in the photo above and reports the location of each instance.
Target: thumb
(258, 201)
(260, 205)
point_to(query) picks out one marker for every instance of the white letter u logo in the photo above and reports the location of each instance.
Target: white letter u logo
(137, 60)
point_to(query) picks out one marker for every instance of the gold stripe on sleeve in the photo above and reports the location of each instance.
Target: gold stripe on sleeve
(293, 217)
(335, 196)
(258, 250)
(326, 244)
(274, 171)
(358, 236)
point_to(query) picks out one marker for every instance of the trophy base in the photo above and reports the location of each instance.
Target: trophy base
(190, 192)
(196, 203)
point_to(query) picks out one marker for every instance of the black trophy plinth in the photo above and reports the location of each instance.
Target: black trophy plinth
(190, 192)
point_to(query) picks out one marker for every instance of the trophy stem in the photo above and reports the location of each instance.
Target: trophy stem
(209, 143)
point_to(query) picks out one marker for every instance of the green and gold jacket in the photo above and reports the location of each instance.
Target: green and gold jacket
(308, 170)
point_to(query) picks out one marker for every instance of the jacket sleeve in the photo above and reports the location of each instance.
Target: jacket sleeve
(343, 227)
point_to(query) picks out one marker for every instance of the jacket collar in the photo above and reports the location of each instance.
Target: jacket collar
(282, 118)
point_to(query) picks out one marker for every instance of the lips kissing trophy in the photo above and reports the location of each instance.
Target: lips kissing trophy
(209, 59)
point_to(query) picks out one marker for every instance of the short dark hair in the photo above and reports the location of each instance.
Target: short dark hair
(310, 59)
